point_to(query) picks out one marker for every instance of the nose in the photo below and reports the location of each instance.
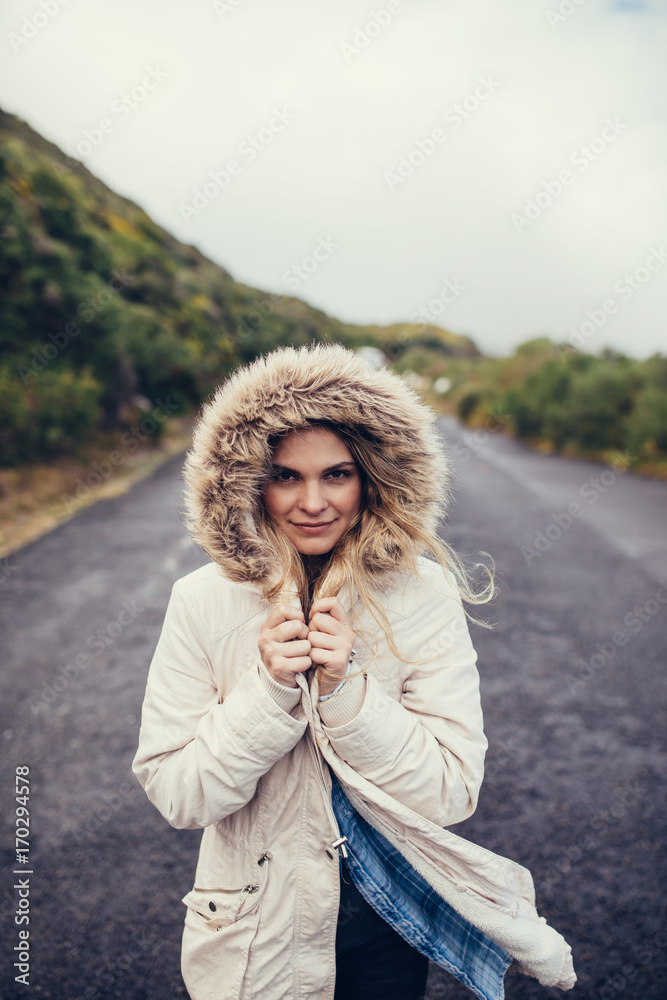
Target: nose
(312, 499)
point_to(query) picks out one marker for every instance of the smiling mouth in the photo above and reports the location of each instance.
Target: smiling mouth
(317, 524)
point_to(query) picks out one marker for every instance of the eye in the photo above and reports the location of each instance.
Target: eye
(339, 474)
(282, 476)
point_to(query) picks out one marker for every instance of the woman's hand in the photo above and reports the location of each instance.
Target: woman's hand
(331, 637)
(283, 644)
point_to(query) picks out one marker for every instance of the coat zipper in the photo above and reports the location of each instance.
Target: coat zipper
(339, 842)
(246, 891)
(252, 887)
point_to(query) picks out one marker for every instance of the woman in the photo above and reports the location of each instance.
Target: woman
(313, 704)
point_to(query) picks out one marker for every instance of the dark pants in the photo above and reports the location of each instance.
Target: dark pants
(386, 968)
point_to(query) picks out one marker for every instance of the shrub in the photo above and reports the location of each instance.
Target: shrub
(59, 410)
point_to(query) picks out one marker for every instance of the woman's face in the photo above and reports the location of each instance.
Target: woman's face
(315, 490)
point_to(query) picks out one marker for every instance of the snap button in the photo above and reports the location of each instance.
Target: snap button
(212, 906)
(460, 888)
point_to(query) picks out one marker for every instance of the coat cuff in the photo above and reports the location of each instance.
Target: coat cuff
(285, 697)
(344, 706)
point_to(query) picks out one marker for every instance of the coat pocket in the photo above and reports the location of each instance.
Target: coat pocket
(234, 911)
(221, 906)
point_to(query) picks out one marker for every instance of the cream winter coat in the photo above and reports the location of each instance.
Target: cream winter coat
(225, 748)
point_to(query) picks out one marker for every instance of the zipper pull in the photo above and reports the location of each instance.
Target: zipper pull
(340, 843)
(247, 890)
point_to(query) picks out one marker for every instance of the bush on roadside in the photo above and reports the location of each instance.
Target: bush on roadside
(568, 400)
(57, 411)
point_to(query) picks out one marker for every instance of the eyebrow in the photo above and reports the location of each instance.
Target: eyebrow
(330, 468)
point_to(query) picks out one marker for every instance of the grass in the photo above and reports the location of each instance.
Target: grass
(35, 498)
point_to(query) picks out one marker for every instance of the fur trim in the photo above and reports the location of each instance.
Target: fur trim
(230, 457)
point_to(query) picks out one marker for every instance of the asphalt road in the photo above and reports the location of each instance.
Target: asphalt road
(572, 683)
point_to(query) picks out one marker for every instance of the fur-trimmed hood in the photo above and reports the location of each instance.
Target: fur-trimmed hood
(288, 389)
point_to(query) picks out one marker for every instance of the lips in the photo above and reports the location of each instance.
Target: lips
(313, 529)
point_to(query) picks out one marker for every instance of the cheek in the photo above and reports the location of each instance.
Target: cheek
(355, 500)
(272, 501)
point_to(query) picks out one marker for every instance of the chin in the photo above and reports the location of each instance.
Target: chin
(315, 550)
(314, 546)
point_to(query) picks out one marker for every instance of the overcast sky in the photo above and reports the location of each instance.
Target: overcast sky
(500, 164)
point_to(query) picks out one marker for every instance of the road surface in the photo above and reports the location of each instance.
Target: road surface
(572, 678)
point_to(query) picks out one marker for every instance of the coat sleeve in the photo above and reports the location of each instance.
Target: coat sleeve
(427, 749)
(200, 759)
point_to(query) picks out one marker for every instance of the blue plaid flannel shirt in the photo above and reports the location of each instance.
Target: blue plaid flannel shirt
(406, 901)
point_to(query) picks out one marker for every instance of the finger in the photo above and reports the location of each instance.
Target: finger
(325, 640)
(325, 622)
(322, 622)
(331, 606)
(331, 659)
(294, 665)
(287, 631)
(320, 656)
(283, 613)
(291, 650)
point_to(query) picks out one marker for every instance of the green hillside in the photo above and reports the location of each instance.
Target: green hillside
(105, 316)
(108, 324)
